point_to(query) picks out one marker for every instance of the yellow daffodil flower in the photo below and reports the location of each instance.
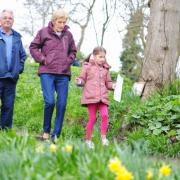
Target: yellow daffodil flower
(40, 149)
(53, 148)
(68, 149)
(123, 174)
(165, 170)
(114, 165)
(149, 175)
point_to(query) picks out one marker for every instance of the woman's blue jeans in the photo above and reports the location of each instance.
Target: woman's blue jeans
(51, 83)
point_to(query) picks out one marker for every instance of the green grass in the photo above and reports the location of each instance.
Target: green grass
(20, 159)
(138, 151)
(29, 105)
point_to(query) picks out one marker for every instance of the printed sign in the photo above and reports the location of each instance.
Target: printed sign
(118, 88)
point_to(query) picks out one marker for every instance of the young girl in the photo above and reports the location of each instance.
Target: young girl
(96, 80)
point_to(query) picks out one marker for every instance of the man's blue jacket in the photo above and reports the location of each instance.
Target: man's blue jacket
(18, 57)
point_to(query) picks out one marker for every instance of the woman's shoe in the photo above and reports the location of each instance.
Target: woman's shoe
(45, 136)
(54, 139)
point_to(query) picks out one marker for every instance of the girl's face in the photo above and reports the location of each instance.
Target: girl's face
(100, 58)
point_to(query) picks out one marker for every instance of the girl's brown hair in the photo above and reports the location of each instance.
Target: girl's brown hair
(96, 51)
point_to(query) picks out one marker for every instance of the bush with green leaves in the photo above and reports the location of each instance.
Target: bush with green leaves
(157, 122)
(159, 146)
(159, 116)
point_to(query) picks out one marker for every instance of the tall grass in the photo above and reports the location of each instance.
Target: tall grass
(21, 158)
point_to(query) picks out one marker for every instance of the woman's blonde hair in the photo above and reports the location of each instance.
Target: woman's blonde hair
(60, 13)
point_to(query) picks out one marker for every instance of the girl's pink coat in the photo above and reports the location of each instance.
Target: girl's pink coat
(96, 81)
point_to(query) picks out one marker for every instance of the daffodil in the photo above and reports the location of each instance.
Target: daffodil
(124, 174)
(68, 149)
(114, 165)
(149, 175)
(40, 149)
(53, 148)
(165, 170)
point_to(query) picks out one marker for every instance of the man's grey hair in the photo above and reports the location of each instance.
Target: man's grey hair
(8, 11)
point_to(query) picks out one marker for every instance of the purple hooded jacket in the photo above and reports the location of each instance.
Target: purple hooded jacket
(54, 53)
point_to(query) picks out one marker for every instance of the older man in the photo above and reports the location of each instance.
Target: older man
(12, 57)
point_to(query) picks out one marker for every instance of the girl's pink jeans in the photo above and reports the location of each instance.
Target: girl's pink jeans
(92, 109)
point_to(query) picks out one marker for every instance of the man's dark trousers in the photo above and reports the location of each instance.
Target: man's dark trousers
(7, 96)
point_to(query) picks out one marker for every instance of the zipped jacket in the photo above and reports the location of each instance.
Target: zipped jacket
(54, 53)
(18, 57)
(96, 82)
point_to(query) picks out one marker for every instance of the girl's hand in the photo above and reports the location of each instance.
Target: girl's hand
(114, 86)
(78, 81)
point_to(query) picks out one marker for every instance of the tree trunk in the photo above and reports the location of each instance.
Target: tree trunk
(162, 47)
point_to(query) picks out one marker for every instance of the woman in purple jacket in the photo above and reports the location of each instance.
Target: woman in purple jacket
(54, 49)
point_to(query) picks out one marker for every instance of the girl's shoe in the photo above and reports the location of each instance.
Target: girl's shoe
(105, 142)
(90, 144)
